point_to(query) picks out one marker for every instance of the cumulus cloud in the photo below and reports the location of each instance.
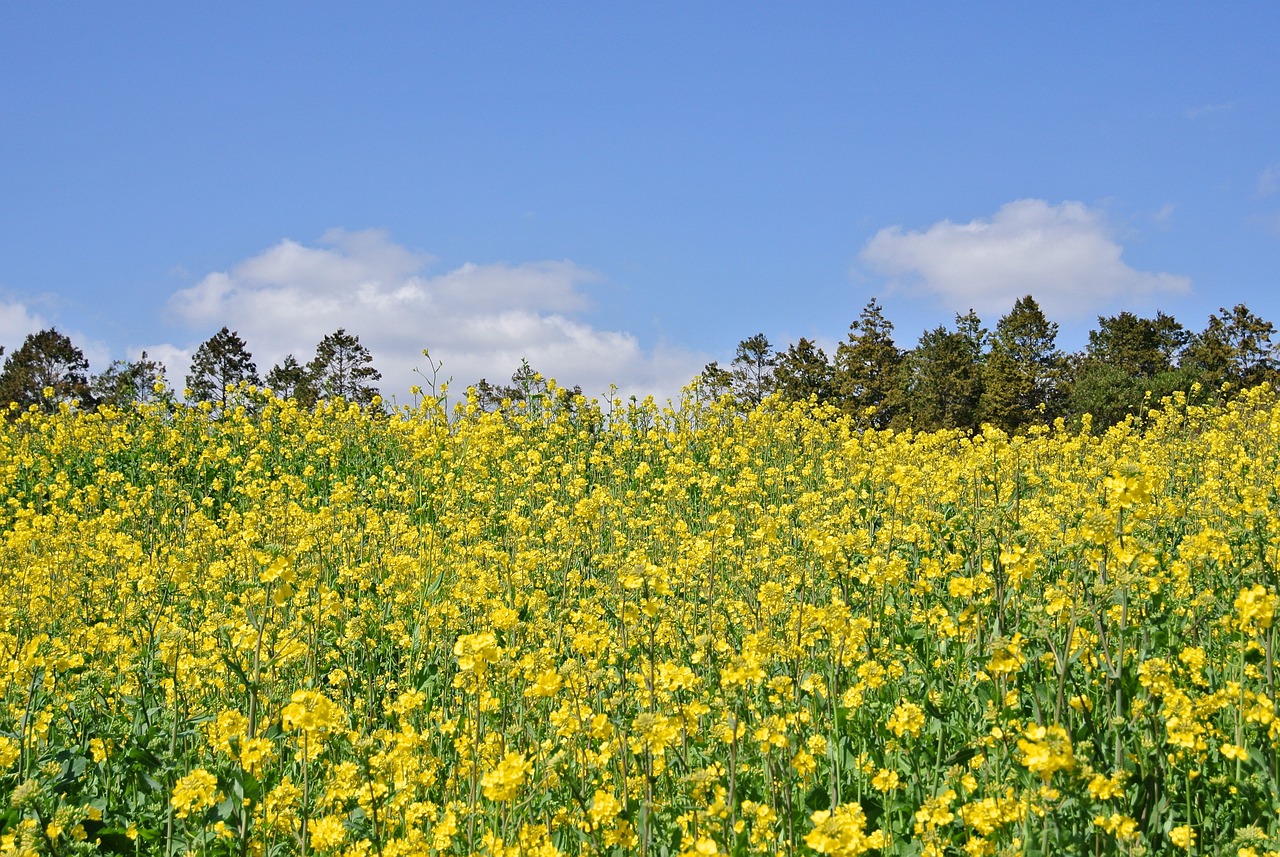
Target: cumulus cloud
(480, 319)
(16, 321)
(1065, 255)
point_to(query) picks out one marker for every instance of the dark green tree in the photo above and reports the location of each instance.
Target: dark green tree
(868, 368)
(128, 382)
(803, 371)
(943, 376)
(1235, 348)
(343, 367)
(1129, 363)
(752, 370)
(289, 379)
(222, 361)
(46, 361)
(714, 381)
(1023, 379)
(526, 385)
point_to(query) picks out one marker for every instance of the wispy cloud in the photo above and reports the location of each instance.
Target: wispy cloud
(480, 319)
(1205, 110)
(1268, 181)
(1064, 255)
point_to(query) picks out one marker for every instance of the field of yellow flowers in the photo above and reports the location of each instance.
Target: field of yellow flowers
(567, 629)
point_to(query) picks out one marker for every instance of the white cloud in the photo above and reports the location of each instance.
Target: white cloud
(1268, 181)
(16, 321)
(479, 319)
(1064, 255)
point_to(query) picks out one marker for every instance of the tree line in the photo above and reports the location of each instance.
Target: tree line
(49, 369)
(1013, 376)
(964, 376)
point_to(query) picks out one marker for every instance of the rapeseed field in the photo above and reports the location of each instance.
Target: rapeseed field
(576, 629)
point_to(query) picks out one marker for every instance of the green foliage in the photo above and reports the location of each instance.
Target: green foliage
(1024, 375)
(803, 372)
(714, 381)
(289, 379)
(752, 370)
(342, 368)
(1130, 364)
(220, 363)
(1234, 348)
(47, 361)
(943, 376)
(127, 382)
(867, 369)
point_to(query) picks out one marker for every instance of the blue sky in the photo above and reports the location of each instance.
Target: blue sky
(621, 192)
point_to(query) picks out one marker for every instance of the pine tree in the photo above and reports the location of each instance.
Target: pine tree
(1023, 379)
(1129, 363)
(868, 368)
(47, 361)
(128, 382)
(289, 379)
(752, 370)
(221, 361)
(803, 371)
(944, 376)
(714, 381)
(1234, 348)
(342, 367)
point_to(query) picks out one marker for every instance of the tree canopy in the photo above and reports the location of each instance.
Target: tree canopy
(45, 371)
(965, 376)
(220, 363)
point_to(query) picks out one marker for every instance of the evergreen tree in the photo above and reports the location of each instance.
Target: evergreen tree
(803, 371)
(221, 361)
(289, 379)
(46, 361)
(526, 385)
(1235, 347)
(1129, 363)
(944, 376)
(127, 382)
(714, 381)
(1024, 376)
(752, 370)
(868, 366)
(342, 367)
(1143, 347)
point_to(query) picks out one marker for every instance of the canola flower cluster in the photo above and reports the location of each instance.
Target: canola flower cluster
(562, 629)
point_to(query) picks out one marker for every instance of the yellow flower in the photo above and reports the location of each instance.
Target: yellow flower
(311, 712)
(504, 782)
(885, 780)
(907, 718)
(1255, 608)
(1234, 751)
(10, 750)
(1120, 826)
(604, 808)
(1046, 750)
(327, 833)
(1183, 836)
(842, 832)
(195, 792)
(476, 651)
